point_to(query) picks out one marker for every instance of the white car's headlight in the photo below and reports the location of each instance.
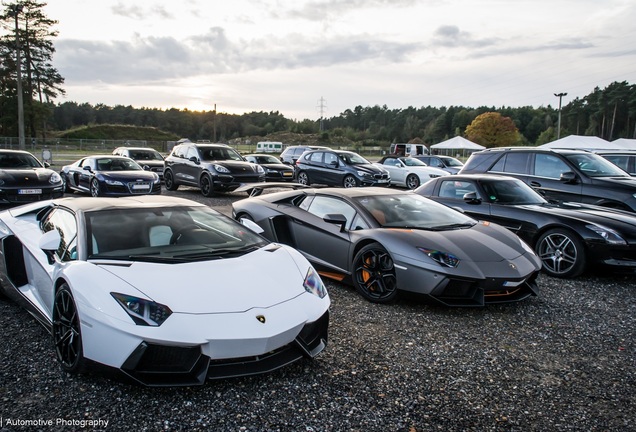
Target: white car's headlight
(4, 229)
(610, 236)
(443, 258)
(222, 169)
(313, 284)
(143, 312)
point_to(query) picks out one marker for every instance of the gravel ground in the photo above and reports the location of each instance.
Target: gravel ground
(562, 361)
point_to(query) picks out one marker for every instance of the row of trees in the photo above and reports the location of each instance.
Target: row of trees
(609, 113)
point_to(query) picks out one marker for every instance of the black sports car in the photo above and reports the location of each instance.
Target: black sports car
(25, 179)
(275, 170)
(568, 237)
(382, 241)
(108, 175)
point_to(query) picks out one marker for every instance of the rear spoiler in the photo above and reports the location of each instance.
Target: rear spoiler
(255, 189)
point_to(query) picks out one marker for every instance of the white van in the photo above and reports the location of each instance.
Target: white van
(269, 147)
(405, 149)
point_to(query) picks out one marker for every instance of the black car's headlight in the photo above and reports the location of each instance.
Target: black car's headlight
(364, 174)
(55, 178)
(221, 169)
(609, 235)
(313, 284)
(143, 312)
(113, 182)
(259, 169)
(443, 258)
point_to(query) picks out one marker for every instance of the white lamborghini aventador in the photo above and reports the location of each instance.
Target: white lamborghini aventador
(163, 290)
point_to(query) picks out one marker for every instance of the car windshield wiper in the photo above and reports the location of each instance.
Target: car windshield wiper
(453, 226)
(219, 253)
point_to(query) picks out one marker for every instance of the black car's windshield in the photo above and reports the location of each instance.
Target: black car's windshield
(266, 159)
(351, 158)
(142, 155)
(18, 161)
(117, 164)
(452, 162)
(219, 154)
(413, 211)
(164, 234)
(596, 166)
(510, 192)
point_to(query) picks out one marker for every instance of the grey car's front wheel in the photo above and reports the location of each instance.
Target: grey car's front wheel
(67, 334)
(168, 180)
(350, 181)
(412, 181)
(207, 187)
(374, 274)
(561, 253)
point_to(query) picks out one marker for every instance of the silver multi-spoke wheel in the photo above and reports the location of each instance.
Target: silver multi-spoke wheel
(350, 181)
(561, 253)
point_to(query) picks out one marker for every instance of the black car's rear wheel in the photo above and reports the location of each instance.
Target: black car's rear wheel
(207, 187)
(303, 178)
(374, 274)
(561, 253)
(67, 335)
(95, 189)
(412, 181)
(350, 181)
(168, 180)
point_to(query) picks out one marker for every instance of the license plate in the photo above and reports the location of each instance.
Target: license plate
(287, 174)
(141, 186)
(29, 191)
(382, 181)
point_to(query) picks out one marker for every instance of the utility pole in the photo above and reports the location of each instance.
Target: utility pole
(15, 11)
(560, 96)
(322, 107)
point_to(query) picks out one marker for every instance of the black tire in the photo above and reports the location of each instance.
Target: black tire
(374, 274)
(412, 181)
(206, 185)
(168, 180)
(350, 181)
(561, 253)
(67, 334)
(303, 178)
(95, 189)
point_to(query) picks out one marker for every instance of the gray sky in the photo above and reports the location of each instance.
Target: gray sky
(285, 56)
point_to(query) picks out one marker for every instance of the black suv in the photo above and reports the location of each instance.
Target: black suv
(565, 175)
(210, 167)
(291, 154)
(339, 168)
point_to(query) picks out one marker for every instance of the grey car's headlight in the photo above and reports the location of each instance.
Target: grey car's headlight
(221, 169)
(55, 178)
(143, 312)
(610, 236)
(526, 247)
(313, 284)
(443, 258)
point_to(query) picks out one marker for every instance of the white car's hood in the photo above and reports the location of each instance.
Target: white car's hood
(262, 278)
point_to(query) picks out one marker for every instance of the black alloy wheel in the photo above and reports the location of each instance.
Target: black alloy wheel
(168, 180)
(95, 189)
(412, 181)
(207, 187)
(67, 336)
(561, 253)
(374, 274)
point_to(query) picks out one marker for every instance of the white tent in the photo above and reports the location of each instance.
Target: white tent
(580, 142)
(455, 144)
(624, 143)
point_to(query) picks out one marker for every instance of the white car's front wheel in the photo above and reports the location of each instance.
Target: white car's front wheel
(67, 335)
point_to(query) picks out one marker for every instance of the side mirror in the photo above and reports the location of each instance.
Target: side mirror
(336, 219)
(334, 164)
(49, 243)
(471, 198)
(568, 177)
(146, 168)
(87, 168)
(249, 223)
(194, 159)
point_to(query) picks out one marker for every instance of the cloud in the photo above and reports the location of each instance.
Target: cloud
(136, 12)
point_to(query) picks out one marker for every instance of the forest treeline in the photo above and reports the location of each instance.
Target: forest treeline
(609, 113)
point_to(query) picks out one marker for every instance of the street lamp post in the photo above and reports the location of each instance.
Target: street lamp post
(560, 96)
(15, 12)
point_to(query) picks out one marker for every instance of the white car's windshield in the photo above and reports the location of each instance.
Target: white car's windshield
(413, 211)
(164, 234)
